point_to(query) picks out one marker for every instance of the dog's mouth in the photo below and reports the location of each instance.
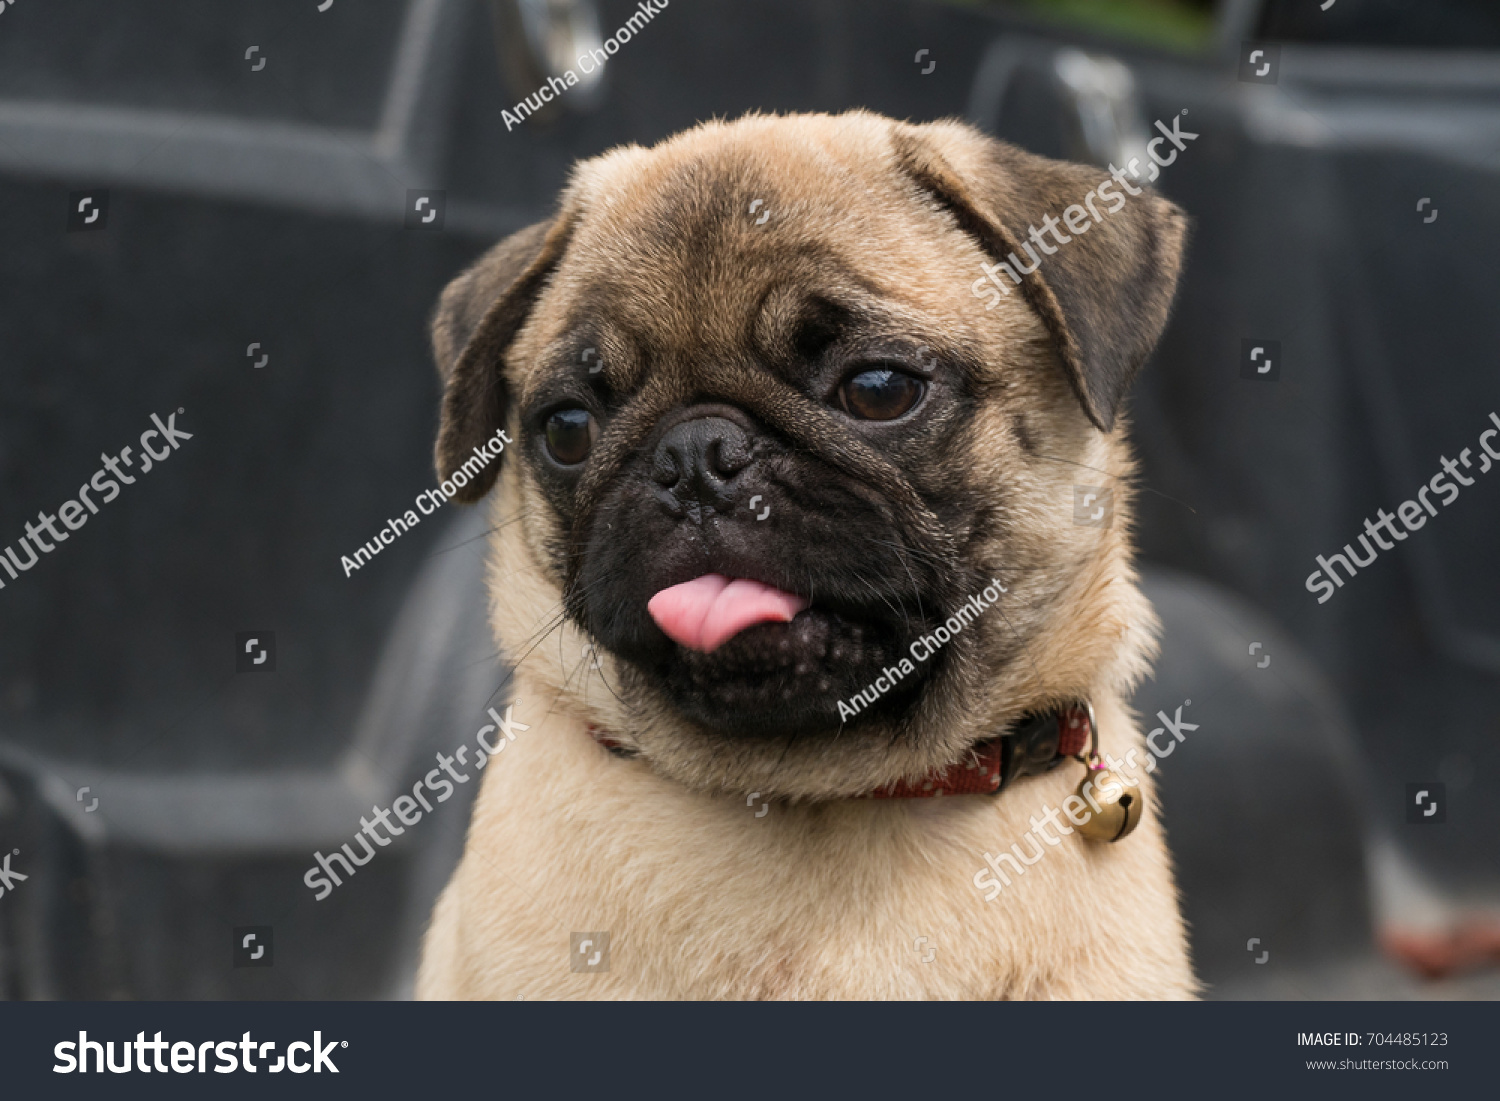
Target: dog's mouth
(753, 659)
(706, 612)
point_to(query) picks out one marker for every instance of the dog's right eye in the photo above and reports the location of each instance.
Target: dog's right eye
(881, 394)
(570, 435)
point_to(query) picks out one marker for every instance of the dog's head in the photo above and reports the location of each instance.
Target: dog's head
(773, 428)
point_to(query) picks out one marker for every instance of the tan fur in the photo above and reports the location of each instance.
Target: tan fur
(824, 895)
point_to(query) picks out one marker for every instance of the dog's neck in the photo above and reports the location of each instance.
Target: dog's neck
(1035, 744)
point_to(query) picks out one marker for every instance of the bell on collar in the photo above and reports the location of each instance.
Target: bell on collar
(1119, 807)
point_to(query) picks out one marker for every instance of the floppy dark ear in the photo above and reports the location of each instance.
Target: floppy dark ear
(1104, 295)
(476, 319)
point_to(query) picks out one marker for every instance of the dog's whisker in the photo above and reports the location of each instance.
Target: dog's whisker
(897, 609)
(516, 663)
(607, 686)
(1130, 480)
(903, 550)
(551, 623)
(484, 534)
(902, 553)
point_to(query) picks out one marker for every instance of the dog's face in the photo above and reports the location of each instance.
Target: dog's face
(768, 439)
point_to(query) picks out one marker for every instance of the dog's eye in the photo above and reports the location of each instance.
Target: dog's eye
(570, 435)
(881, 394)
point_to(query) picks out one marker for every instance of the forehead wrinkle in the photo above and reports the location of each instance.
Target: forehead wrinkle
(789, 302)
(683, 316)
(626, 350)
(673, 228)
(677, 216)
(670, 240)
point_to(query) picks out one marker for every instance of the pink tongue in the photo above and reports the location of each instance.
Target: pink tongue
(708, 611)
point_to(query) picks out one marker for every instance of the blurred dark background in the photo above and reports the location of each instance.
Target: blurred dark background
(255, 165)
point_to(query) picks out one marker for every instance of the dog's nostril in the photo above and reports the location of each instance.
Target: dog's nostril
(728, 456)
(666, 468)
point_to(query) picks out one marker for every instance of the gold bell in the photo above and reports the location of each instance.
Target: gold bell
(1119, 806)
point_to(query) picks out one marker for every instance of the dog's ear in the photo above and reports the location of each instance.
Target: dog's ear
(1104, 295)
(476, 319)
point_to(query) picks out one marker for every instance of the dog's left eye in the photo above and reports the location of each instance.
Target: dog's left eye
(881, 394)
(570, 435)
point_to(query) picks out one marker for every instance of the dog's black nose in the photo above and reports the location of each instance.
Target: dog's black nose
(698, 462)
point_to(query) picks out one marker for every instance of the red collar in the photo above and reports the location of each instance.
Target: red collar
(1033, 745)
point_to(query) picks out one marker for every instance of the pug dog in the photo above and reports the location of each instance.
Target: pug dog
(788, 542)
